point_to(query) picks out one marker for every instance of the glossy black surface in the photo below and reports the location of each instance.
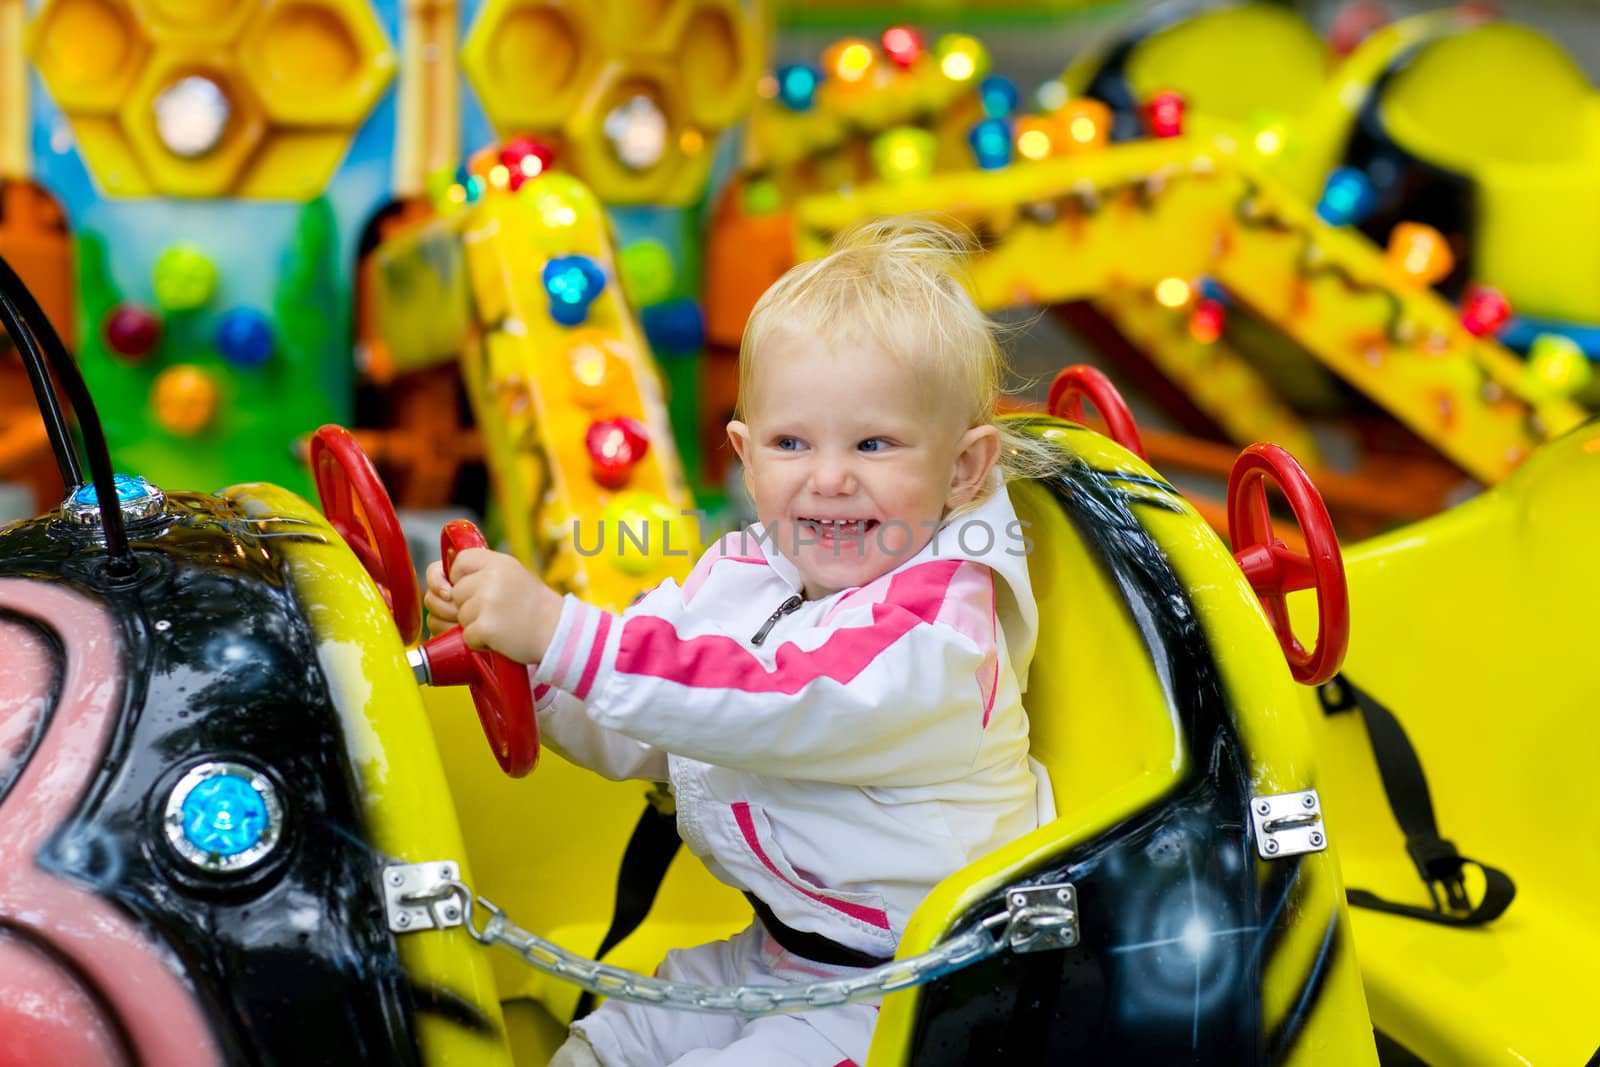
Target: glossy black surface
(293, 960)
(1137, 989)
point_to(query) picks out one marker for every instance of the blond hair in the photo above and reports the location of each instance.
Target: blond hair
(903, 283)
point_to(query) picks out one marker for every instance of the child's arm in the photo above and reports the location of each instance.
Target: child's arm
(567, 728)
(491, 609)
(899, 695)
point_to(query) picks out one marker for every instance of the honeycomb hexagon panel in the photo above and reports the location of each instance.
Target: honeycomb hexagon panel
(631, 93)
(202, 98)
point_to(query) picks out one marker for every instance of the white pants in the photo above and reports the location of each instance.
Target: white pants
(632, 1035)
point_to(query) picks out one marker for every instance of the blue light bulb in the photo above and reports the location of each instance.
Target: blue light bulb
(224, 815)
(999, 96)
(1347, 198)
(573, 282)
(991, 143)
(797, 86)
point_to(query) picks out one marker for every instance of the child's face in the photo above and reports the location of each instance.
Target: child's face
(851, 461)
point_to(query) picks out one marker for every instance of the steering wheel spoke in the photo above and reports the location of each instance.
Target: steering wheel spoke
(1274, 570)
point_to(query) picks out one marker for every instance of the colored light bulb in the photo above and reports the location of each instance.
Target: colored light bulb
(797, 86)
(1420, 253)
(904, 153)
(132, 331)
(244, 338)
(615, 447)
(573, 284)
(1347, 197)
(224, 815)
(1207, 320)
(991, 143)
(902, 45)
(1163, 114)
(998, 95)
(185, 399)
(1557, 366)
(1484, 310)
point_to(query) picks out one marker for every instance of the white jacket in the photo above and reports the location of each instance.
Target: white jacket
(873, 744)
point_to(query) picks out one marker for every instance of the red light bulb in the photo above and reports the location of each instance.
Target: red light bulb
(1163, 113)
(1484, 311)
(615, 447)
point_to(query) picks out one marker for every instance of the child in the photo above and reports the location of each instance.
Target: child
(835, 694)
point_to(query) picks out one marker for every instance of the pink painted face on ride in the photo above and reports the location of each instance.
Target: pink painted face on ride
(851, 460)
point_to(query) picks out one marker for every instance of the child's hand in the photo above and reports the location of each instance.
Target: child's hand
(502, 605)
(436, 598)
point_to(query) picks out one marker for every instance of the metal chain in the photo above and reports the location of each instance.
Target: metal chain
(1017, 928)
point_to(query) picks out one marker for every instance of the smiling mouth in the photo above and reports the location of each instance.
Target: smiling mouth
(832, 529)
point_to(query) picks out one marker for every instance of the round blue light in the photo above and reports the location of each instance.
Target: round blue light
(1211, 289)
(991, 143)
(224, 815)
(244, 338)
(999, 96)
(797, 86)
(573, 282)
(1347, 197)
(130, 489)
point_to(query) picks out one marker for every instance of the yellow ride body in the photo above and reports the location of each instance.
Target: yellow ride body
(1468, 627)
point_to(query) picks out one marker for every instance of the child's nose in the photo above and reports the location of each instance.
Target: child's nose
(833, 478)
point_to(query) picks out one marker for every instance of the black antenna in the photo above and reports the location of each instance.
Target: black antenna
(25, 321)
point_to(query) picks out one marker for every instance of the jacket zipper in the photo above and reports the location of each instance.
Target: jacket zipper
(785, 608)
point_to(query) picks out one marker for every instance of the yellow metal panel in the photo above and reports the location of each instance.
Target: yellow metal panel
(409, 807)
(1469, 626)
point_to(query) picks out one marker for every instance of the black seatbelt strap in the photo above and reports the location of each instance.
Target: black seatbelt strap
(644, 867)
(1436, 859)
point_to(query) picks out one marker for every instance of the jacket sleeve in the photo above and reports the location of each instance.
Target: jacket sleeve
(895, 693)
(564, 727)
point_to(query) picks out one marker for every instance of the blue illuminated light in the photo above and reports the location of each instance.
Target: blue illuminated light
(797, 86)
(224, 815)
(1347, 198)
(573, 282)
(130, 488)
(999, 96)
(991, 143)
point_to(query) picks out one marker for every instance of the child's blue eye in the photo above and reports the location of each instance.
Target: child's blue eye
(873, 444)
(788, 444)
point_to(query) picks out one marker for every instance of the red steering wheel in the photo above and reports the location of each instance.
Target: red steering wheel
(1273, 569)
(499, 685)
(358, 508)
(1081, 381)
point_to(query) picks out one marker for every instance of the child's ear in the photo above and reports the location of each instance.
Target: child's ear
(739, 436)
(979, 452)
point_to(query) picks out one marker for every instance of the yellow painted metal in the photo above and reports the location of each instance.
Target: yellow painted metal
(524, 377)
(1469, 626)
(1134, 214)
(409, 810)
(300, 78)
(1099, 721)
(14, 132)
(1213, 375)
(556, 69)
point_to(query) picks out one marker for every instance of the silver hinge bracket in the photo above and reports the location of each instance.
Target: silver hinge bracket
(421, 896)
(1041, 917)
(1288, 824)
